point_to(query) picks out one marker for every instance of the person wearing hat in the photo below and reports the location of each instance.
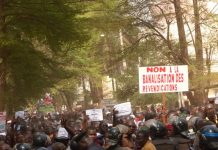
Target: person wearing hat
(160, 134)
(208, 137)
(126, 136)
(39, 140)
(142, 140)
(199, 124)
(181, 134)
(22, 146)
(113, 141)
(62, 136)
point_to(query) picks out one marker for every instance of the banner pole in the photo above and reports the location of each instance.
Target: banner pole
(164, 115)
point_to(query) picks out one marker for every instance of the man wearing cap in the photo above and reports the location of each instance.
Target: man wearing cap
(142, 139)
(62, 136)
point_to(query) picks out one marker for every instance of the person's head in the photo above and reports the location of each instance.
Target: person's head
(92, 133)
(50, 131)
(210, 112)
(158, 130)
(208, 136)
(192, 122)
(62, 136)
(172, 116)
(170, 129)
(95, 124)
(70, 126)
(114, 136)
(39, 140)
(125, 138)
(180, 126)
(139, 115)
(124, 120)
(22, 146)
(58, 146)
(80, 141)
(149, 115)
(132, 126)
(184, 110)
(74, 145)
(103, 127)
(142, 136)
(200, 123)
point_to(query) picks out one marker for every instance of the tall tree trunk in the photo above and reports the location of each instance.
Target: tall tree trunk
(181, 31)
(85, 93)
(96, 90)
(65, 101)
(209, 52)
(199, 93)
(2, 62)
(58, 102)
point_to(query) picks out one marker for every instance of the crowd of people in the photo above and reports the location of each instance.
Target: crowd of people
(179, 129)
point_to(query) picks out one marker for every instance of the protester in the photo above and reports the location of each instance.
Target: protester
(142, 140)
(145, 130)
(58, 146)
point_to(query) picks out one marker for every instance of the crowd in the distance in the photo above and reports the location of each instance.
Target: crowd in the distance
(179, 129)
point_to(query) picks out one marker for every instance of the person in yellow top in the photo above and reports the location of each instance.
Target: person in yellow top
(142, 140)
(149, 146)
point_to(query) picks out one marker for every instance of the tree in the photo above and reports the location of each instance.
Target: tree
(32, 34)
(99, 48)
(118, 27)
(181, 31)
(154, 19)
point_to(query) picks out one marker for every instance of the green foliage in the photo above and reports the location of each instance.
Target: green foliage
(52, 45)
(28, 73)
(32, 40)
(106, 15)
(109, 18)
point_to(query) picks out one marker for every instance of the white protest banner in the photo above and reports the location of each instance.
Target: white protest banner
(19, 114)
(95, 114)
(123, 109)
(2, 122)
(161, 79)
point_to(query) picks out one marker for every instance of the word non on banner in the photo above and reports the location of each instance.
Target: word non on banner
(2, 122)
(161, 79)
(95, 114)
(123, 109)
